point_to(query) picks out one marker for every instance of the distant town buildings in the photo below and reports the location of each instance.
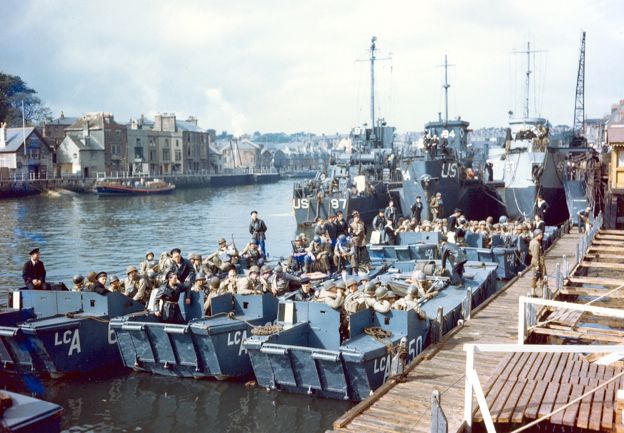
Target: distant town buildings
(24, 153)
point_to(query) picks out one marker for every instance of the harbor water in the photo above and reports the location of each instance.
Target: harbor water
(78, 233)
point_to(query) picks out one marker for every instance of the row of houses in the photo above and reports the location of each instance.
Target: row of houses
(95, 145)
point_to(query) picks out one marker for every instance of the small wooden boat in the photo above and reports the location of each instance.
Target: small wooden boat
(142, 187)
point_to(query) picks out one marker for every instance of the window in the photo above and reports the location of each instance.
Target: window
(152, 155)
(188, 151)
(167, 142)
(152, 142)
(138, 152)
(178, 155)
(166, 154)
(138, 141)
(620, 158)
(177, 143)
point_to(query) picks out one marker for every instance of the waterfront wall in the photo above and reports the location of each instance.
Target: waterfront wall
(25, 187)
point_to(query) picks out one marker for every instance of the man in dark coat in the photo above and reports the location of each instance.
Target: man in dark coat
(452, 220)
(99, 286)
(257, 230)
(391, 213)
(34, 272)
(169, 310)
(417, 208)
(341, 225)
(183, 268)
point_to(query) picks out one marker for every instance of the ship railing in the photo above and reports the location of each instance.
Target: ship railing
(473, 387)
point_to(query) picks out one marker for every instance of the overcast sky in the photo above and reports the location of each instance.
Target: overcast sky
(271, 65)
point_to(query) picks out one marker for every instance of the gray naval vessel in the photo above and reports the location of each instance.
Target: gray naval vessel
(533, 163)
(359, 172)
(445, 165)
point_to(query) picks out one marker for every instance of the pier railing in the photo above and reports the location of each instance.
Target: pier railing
(475, 389)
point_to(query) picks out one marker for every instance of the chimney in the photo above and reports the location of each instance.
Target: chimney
(3, 137)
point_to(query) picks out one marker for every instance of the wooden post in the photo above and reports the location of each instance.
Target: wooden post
(566, 267)
(558, 277)
(440, 320)
(439, 424)
(468, 304)
(578, 254)
(619, 411)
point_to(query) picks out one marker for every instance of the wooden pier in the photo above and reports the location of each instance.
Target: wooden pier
(405, 405)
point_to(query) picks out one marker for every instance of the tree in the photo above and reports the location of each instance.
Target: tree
(14, 91)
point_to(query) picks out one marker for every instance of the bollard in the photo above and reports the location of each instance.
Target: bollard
(566, 269)
(558, 277)
(578, 254)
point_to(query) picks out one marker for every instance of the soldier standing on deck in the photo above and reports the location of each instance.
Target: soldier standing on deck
(417, 208)
(257, 230)
(358, 231)
(541, 207)
(537, 262)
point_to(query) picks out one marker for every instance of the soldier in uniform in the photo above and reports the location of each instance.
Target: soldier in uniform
(584, 220)
(100, 284)
(297, 259)
(213, 291)
(344, 253)
(358, 232)
(410, 302)
(279, 282)
(250, 285)
(391, 213)
(333, 294)
(379, 302)
(167, 300)
(355, 300)
(135, 287)
(257, 230)
(115, 284)
(148, 263)
(88, 285)
(200, 281)
(539, 223)
(223, 257)
(78, 281)
(537, 262)
(230, 284)
(252, 255)
(435, 205)
(456, 256)
(317, 253)
(34, 272)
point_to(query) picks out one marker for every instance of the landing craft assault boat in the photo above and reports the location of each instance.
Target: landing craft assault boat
(142, 187)
(59, 332)
(307, 356)
(203, 347)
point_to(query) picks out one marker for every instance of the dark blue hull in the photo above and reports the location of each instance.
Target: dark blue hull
(105, 190)
(209, 347)
(30, 415)
(69, 335)
(426, 178)
(308, 209)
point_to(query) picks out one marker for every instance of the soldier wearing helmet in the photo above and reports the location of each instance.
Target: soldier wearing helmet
(78, 281)
(214, 290)
(410, 302)
(250, 284)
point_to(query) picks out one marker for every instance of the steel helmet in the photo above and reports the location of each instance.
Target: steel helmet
(77, 279)
(214, 282)
(412, 290)
(371, 287)
(419, 276)
(381, 292)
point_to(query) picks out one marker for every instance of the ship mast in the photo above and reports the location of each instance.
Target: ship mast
(372, 73)
(528, 52)
(446, 87)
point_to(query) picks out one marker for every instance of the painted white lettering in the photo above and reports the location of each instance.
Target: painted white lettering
(242, 347)
(75, 343)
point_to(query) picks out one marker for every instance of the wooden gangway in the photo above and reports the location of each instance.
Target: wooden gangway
(405, 405)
